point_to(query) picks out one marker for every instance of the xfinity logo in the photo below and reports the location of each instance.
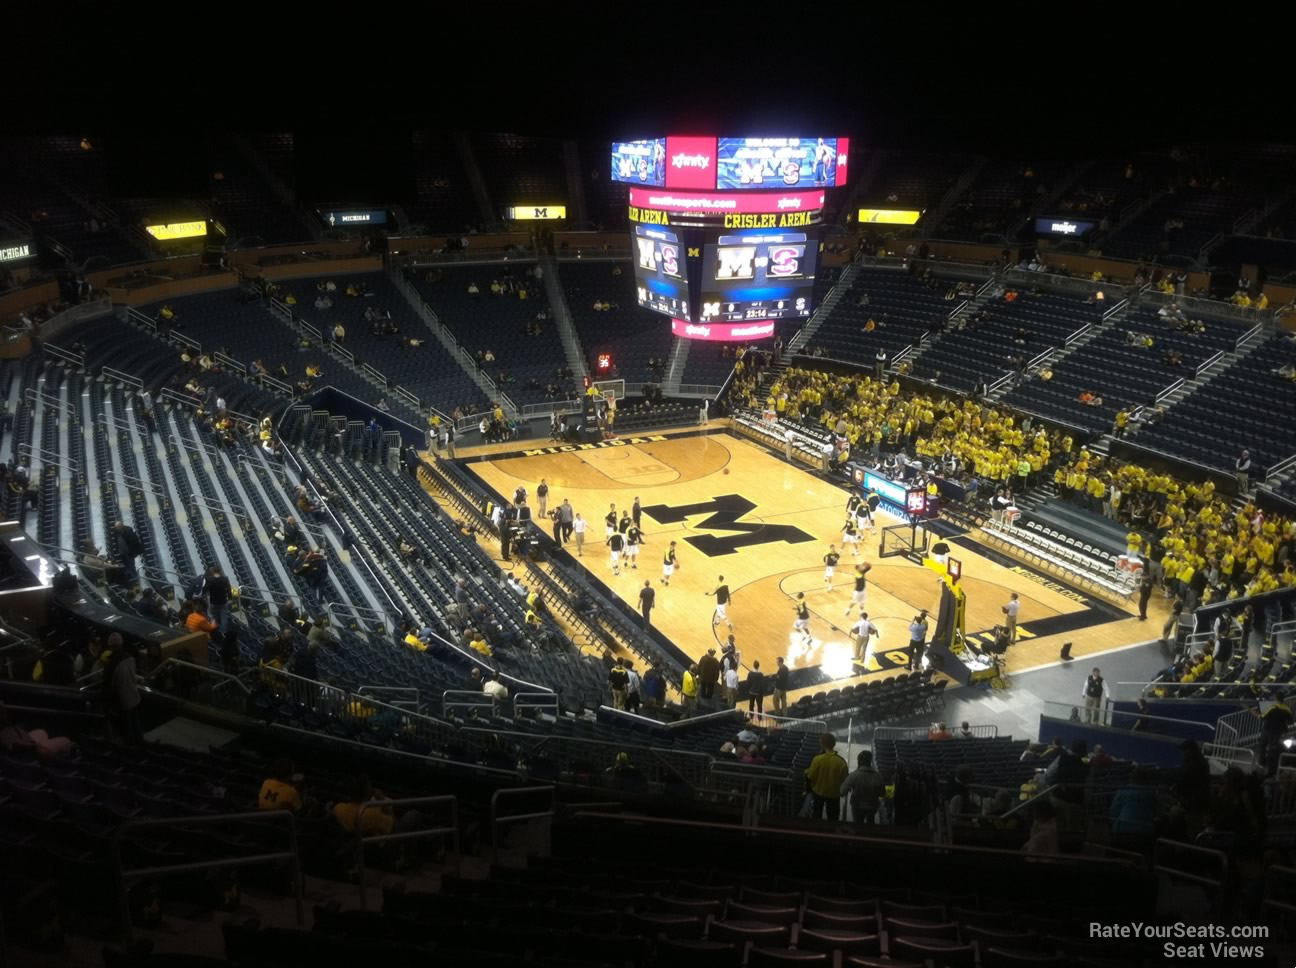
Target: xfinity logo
(1065, 228)
(790, 201)
(703, 331)
(690, 161)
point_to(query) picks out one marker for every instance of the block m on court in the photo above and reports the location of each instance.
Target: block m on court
(723, 515)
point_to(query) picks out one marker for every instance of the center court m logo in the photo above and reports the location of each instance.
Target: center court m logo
(725, 511)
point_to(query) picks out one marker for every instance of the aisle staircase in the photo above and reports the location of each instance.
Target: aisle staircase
(562, 320)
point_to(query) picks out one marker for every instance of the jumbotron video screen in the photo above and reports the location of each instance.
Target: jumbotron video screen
(726, 231)
(758, 275)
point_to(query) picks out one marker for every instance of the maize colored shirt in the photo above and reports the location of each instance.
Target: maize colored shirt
(277, 795)
(690, 684)
(826, 773)
(375, 821)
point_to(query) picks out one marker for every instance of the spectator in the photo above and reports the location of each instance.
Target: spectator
(1134, 807)
(781, 675)
(1242, 467)
(354, 814)
(965, 731)
(654, 689)
(219, 594)
(939, 732)
(197, 620)
(963, 801)
(824, 778)
(339, 332)
(281, 790)
(618, 683)
(730, 685)
(16, 739)
(1044, 830)
(756, 688)
(633, 687)
(709, 671)
(121, 692)
(129, 547)
(865, 789)
(689, 689)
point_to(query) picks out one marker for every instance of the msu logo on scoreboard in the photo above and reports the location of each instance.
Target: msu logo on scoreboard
(785, 261)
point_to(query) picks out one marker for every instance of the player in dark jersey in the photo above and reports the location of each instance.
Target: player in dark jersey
(802, 624)
(871, 504)
(634, 538)
(610, 519)
(850, 536)
(624, 524)
(860, 595)
(852, 504)
(830, 565)
(721, 594)
(616, 543)
(668, 564)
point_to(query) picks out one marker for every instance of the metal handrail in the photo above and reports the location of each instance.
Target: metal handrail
(1170, 389)
(134, 484)
(360, 839)
(1209, 362)
(230, 362)
(1245, 337)
(62, 354)
(123, 875)
(496, 819)
(184, 399)
(53, 402)
(121, 377)
(534, 700)
(27, 450)
(212, 504)
(1180, 847)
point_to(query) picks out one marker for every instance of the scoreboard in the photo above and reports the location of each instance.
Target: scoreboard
(711, 259)
(661, 276)
(751, 276)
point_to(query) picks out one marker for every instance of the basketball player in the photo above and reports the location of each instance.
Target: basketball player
(860, 595)
(610, 519)
(616, 543)
(853, 504)
(850, 536)
(871, 504)
(624, 524)
(863, 630)
(802, 624)
(634, 538)
(721, 613)
(830, 565)
(668, 564)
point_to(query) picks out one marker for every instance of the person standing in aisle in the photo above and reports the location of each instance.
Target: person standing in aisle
(825, 776)
(917, 641)
(1093, 693)
(780, 687)
(756, 689)
(647, 598)
(1010, 617)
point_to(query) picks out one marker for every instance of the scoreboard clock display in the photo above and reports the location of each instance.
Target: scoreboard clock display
(757, 275)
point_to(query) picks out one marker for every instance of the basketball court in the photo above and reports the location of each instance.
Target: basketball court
(738, 510)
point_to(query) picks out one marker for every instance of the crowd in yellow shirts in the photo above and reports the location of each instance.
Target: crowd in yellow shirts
(992, 444)
(1191, 535)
